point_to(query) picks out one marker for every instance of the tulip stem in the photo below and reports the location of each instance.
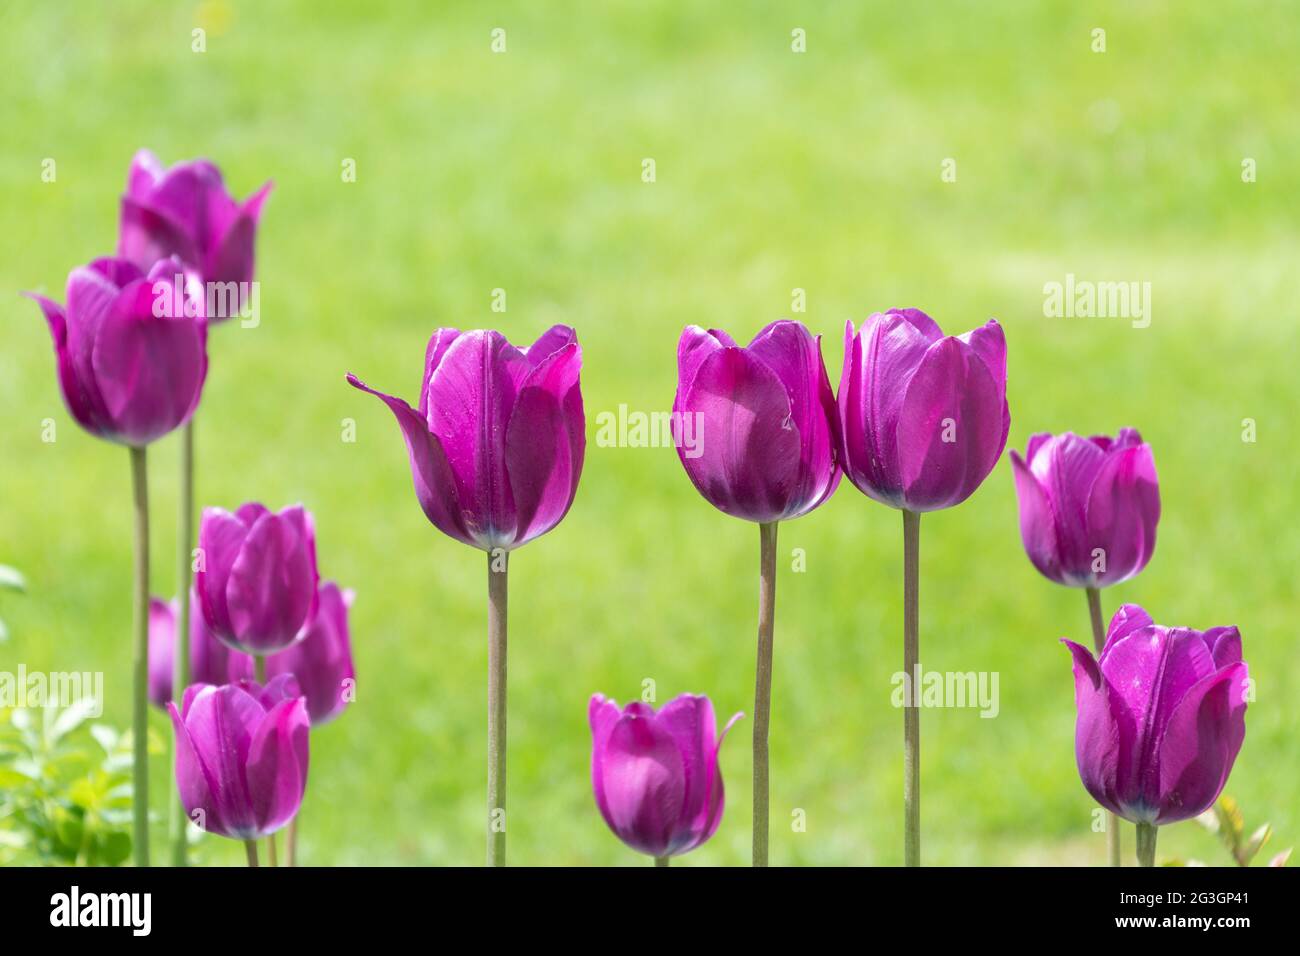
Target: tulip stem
(1098, 642)
(259, 674)
(1146, 848)
(662, 860)
(496, 783)
(250, 848)
(911, 706)
(763, 683)
(178, 821)
(291, 841)
(140, 711)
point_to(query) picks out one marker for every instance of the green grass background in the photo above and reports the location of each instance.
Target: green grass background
(775, 170)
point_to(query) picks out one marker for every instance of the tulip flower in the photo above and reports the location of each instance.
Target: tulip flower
(1088, 506)
(257, 583)
(241, 757)
(656, 775)
(1161, 717)
(211, 662)
(923, 420)
(1088, 513)
(186, 211)
(322, 660)
(767, 434)
(131, 351)
(496, 447)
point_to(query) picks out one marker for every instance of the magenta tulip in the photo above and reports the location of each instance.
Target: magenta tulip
(656, 775)
(496, 446)
(185, 211)
(241, 756)
(764, 419)
(1088, 506)
(1161, 717)
(257, 583)
(131, 349)
(322, 660)
(211, 662)
(924, 416)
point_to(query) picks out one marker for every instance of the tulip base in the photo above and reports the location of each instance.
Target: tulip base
(662, 860)
(763, 685)
(1146, 844)
(250, 850)
(1099, 641)
(140, 709)
(498, 561)
(911, 706)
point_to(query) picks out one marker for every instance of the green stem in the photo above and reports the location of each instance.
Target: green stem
(259, 669)
(181, 664)
(911, 706)
(662, 860)
(292, 841)
(140, 710)
(496, 783)
(763, 684)
(1146, 844)
(1098, 642)
(250, 848)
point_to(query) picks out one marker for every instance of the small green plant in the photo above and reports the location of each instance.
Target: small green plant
(65, 788)
(10, 580)
(1226, 821)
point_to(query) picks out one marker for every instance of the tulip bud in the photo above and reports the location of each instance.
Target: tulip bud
(211, 662)
(1088, 507)
(241, 756)
(131, 349)
(924, 417)
(656, 775)
(185, 211)
(497, 444)
(257, 584)
(765, 419)
(322, 660)
(1161, 717)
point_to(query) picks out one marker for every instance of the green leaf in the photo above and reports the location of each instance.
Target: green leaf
(72, 717)
(1255, 844)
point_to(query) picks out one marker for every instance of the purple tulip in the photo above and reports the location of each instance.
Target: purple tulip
(656, 775)
(131, 349)
(1161, 717)
(924, 416)
(257, 583)
(322, 660)
(1088, 506)
(211, 662)
(186, 212)
(765, 421)
(241, 756)
(496, 446)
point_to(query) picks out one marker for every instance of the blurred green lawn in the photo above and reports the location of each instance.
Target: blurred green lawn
(775, 171)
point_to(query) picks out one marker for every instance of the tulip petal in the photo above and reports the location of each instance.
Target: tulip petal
(143, 175)
(1200, 744)
(231, 255)
(950, 430)
(277, 764)
(193, 781)
(1098, 734)
(1224, 644)
(545, 442)
(1126, 619)
(689, 720)
(1037, 523)
(439, 342)
(642, 779)
(548, 343)
(221, 534)
(435, 485)
(749, 461)
(470, 401)
(694, 346)
(271, 590)
(795, 355)
(1123, 508)
(715, 798)
(221, 723)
